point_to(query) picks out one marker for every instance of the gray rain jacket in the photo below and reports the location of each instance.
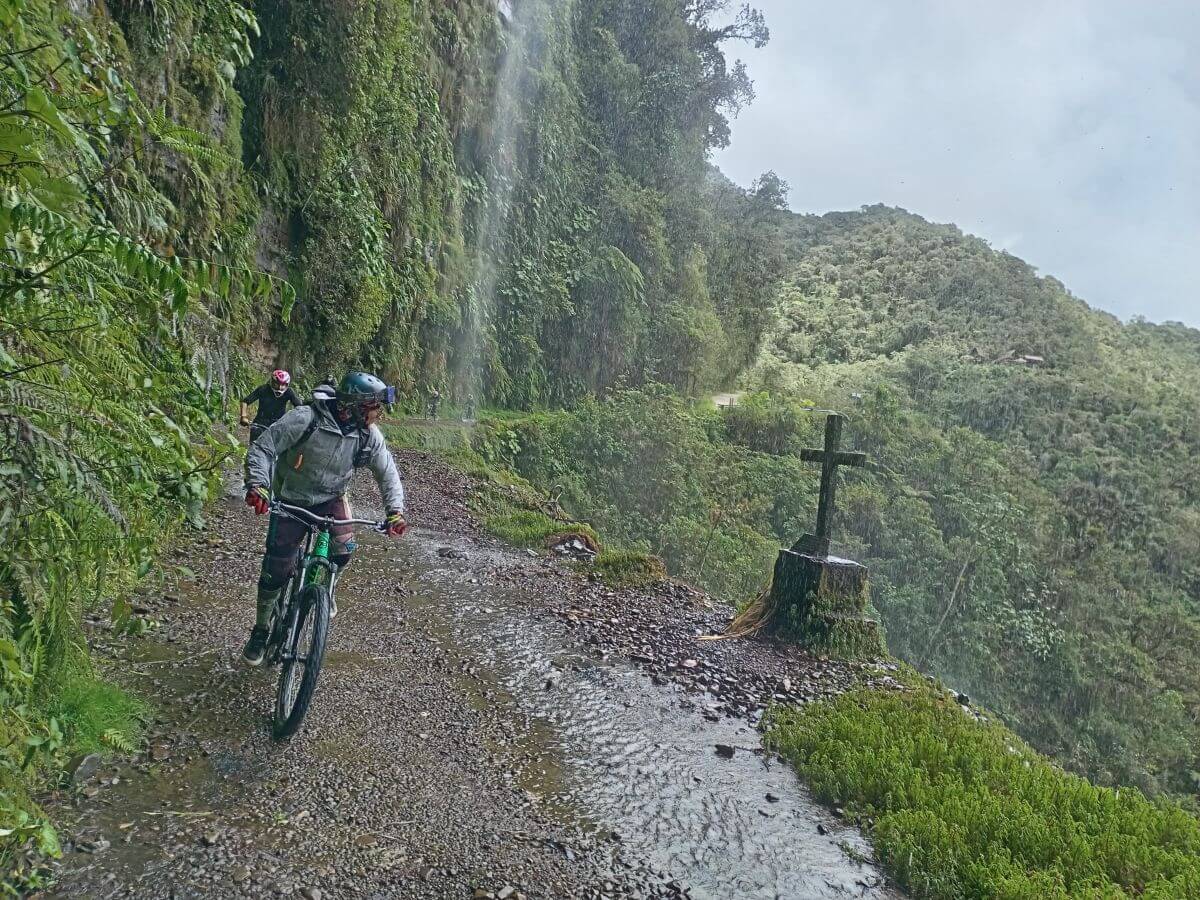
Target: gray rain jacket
(319, 470)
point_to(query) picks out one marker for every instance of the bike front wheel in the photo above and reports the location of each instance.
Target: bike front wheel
(301, 657)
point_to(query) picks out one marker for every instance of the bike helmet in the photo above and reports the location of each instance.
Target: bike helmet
(280, 379)
(359, 391)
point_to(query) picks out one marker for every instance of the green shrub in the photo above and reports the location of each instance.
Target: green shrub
(649, 469)
(768, 424)
(963, 808)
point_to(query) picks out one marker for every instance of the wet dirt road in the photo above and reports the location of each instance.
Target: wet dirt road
(461, 744)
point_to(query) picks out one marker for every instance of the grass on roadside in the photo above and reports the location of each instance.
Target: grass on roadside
(98, 717)
(513, 519)
(509, 507)
(629, 568)
(437, 436)
(963, 808)
(82, 715)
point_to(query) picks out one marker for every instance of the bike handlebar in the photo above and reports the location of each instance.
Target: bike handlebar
(297, 511)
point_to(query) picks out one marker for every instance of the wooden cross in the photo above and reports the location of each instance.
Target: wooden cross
(829, 458)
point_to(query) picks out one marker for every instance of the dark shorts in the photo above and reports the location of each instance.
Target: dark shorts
(285, 535)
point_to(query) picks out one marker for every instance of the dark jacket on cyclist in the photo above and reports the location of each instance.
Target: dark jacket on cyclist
(320, 468)
(271, 406)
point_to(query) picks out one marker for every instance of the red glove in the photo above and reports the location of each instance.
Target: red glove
(396, 525)
(258, 499)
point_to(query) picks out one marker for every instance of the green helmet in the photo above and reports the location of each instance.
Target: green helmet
(363, 387)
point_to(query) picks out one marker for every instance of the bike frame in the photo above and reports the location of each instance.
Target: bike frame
(313, 562)
(313, 567)
(315, 558)
(295, 607)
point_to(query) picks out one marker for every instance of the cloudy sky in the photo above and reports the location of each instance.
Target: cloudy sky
(1065, 132)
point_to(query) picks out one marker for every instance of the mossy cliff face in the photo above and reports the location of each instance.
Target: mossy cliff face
(401, 183)
(181, 58)
(514, 206)
(356, 168)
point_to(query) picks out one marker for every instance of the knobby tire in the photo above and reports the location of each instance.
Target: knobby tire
(314, 611)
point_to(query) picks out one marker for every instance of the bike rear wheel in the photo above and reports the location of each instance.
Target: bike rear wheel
(301, 658)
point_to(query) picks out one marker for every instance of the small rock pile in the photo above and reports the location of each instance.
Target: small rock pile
(663, 629)
(573, 548)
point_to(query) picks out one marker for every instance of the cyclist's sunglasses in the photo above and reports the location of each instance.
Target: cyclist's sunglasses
(386, 397)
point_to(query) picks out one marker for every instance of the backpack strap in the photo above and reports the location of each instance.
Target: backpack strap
(297, 447)
(308, 432)
(361, 457)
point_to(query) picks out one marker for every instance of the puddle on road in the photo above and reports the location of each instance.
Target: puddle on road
(610, 749)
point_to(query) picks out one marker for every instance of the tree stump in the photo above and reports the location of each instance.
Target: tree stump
(820, 602)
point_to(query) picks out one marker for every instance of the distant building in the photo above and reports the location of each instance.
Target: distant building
(1012, 358)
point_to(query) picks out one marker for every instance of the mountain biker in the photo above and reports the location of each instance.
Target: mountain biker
(272, 399)
(306, 459)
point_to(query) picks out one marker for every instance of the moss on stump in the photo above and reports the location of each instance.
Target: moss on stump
(820, 603)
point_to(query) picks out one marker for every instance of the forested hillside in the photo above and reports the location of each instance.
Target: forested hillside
(1031, 508)
(1030, 511)
(1032, 517)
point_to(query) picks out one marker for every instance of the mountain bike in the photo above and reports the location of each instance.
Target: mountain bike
(300, 621)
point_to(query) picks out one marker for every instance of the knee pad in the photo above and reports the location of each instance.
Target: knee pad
(267, 582)
(275, 572)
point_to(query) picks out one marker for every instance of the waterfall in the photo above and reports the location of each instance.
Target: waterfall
(501, 175)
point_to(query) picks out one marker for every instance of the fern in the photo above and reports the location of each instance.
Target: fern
(191, 145)
(44, 457)
(119, 741)
(106, 424)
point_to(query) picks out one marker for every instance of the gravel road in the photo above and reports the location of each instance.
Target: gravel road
(443, 756)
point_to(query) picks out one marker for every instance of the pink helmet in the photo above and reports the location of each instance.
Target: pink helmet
(280, 381)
